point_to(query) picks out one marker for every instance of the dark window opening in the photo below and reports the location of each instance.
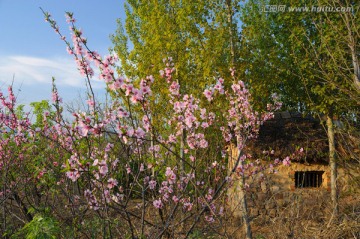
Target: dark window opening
(308, 179)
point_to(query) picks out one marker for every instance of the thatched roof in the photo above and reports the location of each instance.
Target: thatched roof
(286, 133)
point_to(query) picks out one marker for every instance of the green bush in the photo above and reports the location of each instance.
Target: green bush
(39, 228)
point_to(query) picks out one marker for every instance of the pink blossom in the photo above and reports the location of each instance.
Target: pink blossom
(128, 169)
(122, 113)
(203, 144)
(174, 88)
(286, 161)
(204, 125)
(130, 132)
(70, 51)
(91, 103)
(189, 120)
(115, 86)
(112, 183)
(158, 203)
(175, 199)
(103, 168)
(141, 167)
(135, 98)
(172, 139)
(55, 97)
(108, 147)
(170, 175)
(209, 219)
(152, 184)
(129, 89)
(73, 175)
(188, 206)
(155, 148)
(145, 90)
(139, 133)
(179, 106)
(208, 95)
(83, 129)
(146, 123)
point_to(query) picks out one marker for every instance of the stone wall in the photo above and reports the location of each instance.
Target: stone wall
(284, 179)
(267, 197)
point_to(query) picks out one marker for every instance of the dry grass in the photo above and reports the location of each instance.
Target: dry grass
(304, 214)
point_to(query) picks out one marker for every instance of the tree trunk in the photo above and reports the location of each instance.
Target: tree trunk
(333, 165)
(352, 45)
(231, 31)
(244, 207)
(236, 194)
(356, 69)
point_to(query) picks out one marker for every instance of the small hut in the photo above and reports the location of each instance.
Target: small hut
(301, 138)
(304, 141)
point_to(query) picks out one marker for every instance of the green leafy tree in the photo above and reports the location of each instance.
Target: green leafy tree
(39, 108)
(194, 33)
(308, 58)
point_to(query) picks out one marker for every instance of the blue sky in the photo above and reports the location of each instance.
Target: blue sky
(31, 52)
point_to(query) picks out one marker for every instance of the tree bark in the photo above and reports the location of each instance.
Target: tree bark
(352, 45)
(356, 69)
(244, 207)
(231, 31)
(236, 193)
(333, 164)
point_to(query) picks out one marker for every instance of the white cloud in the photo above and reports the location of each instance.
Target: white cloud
(33, 77)
(30, 70)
